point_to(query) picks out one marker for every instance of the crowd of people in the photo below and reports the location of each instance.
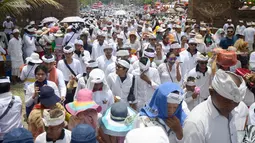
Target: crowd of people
(156, 79)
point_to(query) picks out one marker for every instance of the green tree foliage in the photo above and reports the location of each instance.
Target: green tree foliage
(17, 7)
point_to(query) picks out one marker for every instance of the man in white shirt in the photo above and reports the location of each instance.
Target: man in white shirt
(8, 27)
(147, 80)
(222, 115)
(55, 75)
(70, 36)
(249, 34)
(203, 75)
(120, 81)
(11, 108)
(97, 48)
(80, 54)
(15, 51)
(107, 58)
(54, 122)
(188, 57)
(74, 64)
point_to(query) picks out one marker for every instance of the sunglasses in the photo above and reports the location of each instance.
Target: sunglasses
(172, 59)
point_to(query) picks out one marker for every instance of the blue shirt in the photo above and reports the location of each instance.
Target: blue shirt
(226, 42)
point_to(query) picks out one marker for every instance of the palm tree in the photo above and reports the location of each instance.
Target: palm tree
(17, 7)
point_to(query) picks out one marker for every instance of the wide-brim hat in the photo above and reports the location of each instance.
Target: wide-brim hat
(76, 107)
(34, 58)
(199, 38)
(112, 127)
(48, 97)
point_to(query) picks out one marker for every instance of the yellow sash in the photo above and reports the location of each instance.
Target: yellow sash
(30, 80)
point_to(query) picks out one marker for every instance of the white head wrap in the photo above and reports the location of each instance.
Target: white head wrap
(107, 46)
(145, 67)
(149, 54)
(78, 42)
(122, 53)
(48, 121)
(174, 98)
(201, 57)
(69, 50)
(5, 80)
(124, 63)
(224, 85)
(16, 31)
(50, 60)
(92, 65)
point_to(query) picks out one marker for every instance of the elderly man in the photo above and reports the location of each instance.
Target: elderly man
(218, 119)
(54, 122)
(11, 108)
(107, 58)
(203, 75)
(15, 51)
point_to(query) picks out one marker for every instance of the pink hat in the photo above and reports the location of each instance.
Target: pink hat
(83, 103)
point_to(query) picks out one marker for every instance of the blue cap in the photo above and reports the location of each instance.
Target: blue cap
(18, 135)
(83, 133)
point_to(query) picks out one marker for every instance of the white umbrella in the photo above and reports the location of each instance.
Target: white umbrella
(49, 19)
(72, 19)
(180, 9)
(120, 12)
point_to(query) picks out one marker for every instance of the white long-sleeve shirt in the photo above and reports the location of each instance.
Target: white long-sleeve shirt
(118, 87)
(205, 124)
(75, 66)
(29, 45)
(188, 62)
(83, 58)
(249, 34)
(103, 62)
(28, 75)
(142, 90)
(15, 51)
(166, 75)
(203, 81)
(97, 50)
(13, 119)
(31, 90)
